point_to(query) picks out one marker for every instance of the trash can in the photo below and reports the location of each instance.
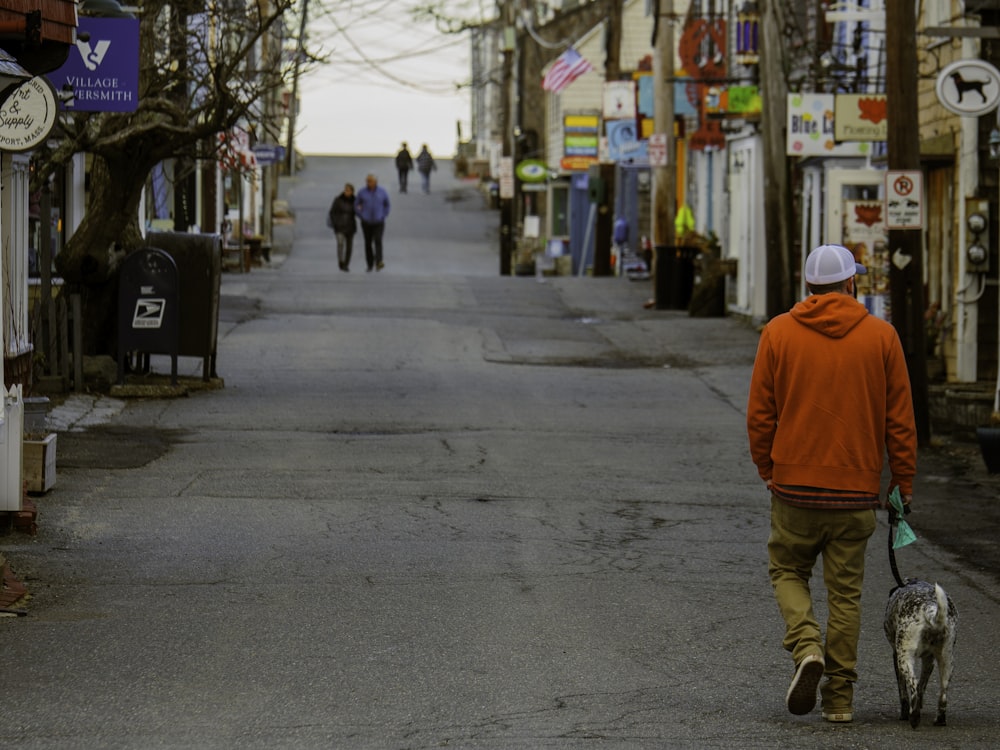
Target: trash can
(199, 270)
(673, 280)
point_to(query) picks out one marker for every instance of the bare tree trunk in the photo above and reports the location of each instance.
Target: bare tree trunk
(89, 262)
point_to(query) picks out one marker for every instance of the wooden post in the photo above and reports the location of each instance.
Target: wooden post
(664, 178)
(507, 132)
(906, 276)
(778, 221)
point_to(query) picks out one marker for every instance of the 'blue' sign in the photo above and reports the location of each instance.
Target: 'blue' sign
(101, 74)
(267, 153)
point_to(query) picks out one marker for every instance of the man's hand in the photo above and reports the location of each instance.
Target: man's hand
(907, 499)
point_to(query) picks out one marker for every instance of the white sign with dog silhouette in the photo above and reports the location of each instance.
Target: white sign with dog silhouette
(969, 87)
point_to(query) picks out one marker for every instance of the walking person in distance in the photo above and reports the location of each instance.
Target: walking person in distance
(425, 165)
(372, 206)
(344, 222)
(829, 398)
(404, 163)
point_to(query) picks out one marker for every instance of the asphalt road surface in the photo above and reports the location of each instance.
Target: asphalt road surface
(436, 507)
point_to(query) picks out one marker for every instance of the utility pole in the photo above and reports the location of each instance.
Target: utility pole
(507, 133)
(612, 56)
(777, 185)
(605, 173)
(293, 104)
(906, 275)
(664, 177)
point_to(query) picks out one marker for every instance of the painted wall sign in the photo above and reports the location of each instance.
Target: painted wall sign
(968, 87)
(102, 73)
(28, 115)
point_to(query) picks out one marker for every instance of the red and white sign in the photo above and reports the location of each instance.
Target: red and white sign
(658, 150)
(904, 199)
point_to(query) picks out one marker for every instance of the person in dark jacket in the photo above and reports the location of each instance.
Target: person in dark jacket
(344, 223)
(425, 165)
(372, 207)
(404, 163)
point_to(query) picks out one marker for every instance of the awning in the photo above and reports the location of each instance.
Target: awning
(12, 75)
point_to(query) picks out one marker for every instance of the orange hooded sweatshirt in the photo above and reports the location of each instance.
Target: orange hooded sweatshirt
(829, 395)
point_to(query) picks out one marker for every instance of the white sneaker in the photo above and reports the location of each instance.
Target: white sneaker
(801, 697)
(840, 717)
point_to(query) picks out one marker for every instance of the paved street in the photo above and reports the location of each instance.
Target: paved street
(435, 507)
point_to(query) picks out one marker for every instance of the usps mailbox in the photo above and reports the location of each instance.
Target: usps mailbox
(148, 308)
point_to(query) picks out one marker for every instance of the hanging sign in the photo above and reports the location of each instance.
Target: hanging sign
(860, 117)
(532, 170)
(101, 73)
(28, 115)
(968, 87)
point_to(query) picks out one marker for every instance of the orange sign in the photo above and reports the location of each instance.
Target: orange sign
(577, 163)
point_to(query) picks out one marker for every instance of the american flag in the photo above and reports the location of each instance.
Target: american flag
(567, 68)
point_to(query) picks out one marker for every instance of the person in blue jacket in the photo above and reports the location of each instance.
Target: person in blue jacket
(372, 207)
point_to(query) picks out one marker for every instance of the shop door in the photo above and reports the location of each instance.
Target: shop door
(855, 218)
(579, 219)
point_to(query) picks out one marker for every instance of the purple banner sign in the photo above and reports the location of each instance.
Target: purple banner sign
(102, 73)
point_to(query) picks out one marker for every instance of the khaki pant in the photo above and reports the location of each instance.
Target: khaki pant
(798, 537)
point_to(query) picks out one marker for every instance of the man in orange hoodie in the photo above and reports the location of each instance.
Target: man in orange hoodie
(829, 397)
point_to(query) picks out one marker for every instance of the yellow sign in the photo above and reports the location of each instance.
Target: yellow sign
(582, 122)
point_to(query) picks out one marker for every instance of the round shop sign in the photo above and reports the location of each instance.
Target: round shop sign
(28, 115)
(968, 87)
(532, 170)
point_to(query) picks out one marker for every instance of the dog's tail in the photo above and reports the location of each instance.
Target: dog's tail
(939, 617)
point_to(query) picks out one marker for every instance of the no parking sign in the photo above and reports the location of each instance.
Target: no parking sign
(904, 199)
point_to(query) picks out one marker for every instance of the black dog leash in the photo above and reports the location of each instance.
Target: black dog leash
(892, 550)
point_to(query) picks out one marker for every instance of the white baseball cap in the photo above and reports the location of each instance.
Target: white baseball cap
(828, 264)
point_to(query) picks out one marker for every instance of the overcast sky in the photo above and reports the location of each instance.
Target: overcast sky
(389, 79)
